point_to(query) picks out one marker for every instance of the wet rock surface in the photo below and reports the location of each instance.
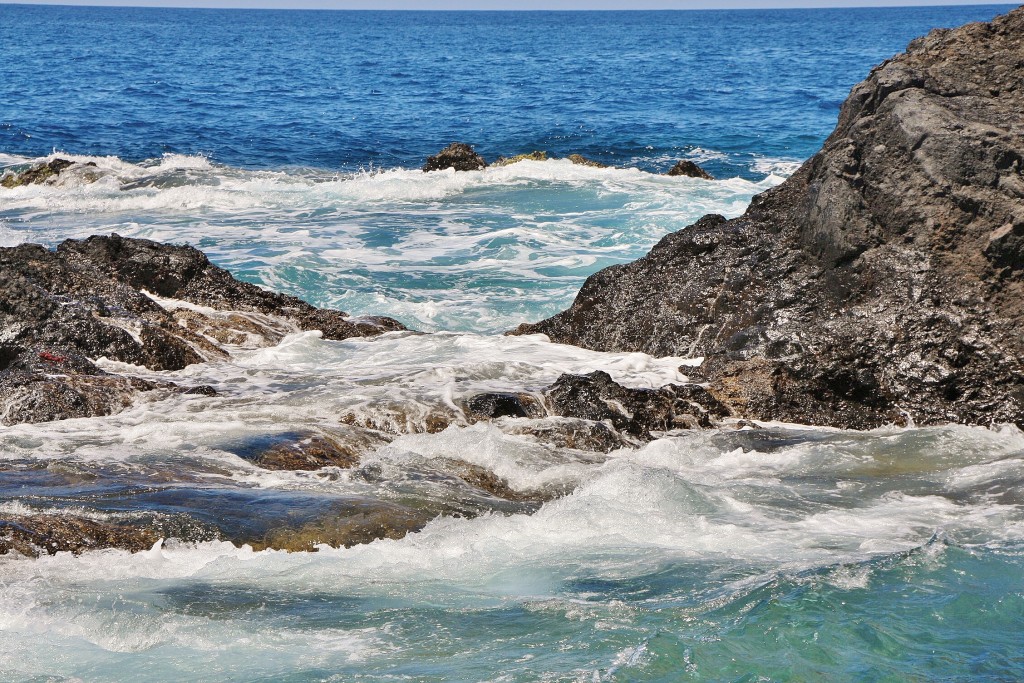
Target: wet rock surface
(311, 450)
(537, 155)
(501, 404)
(373, 522)
(575, 433)
(581, 160)
(37, 535)
(458, 156)
(689, 169)
(637, 412)
(881, 283)
(61, 309)
(48, 172)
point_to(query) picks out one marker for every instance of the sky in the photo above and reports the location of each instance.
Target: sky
(501, 4)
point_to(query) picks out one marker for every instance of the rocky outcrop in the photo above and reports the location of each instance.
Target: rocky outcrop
(689, 169)
(463, 157)
(881, 283)
(532, 156)
(49, 172)
(134, 301)
(603, 414)
(457, 155)
(581, 160)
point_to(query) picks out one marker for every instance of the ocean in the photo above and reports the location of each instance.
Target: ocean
(287, 146)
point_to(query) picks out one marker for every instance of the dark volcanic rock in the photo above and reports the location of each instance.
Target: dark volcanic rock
(499, 404)
(883, 281)
(457, 155)
(59, 309)
(689, 169)
(38, 397)
(635, 411)
(575, 433)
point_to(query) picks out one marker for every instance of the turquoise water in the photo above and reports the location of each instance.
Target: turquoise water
(286, 146)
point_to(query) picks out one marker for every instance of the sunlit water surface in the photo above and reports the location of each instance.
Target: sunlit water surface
(785, 553)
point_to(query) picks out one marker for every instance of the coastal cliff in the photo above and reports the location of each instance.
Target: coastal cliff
(881, 283)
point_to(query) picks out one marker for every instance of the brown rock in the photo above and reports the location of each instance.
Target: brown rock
(690, 170)
(581, 160)
(49, 534)
(315, 451)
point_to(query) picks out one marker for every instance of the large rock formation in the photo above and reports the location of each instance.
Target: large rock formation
(882, 282)
(101, 297)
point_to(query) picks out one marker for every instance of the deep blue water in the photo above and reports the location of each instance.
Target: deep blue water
(347, 89)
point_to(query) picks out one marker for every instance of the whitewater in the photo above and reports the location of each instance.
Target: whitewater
(747, 553)
(680, 558)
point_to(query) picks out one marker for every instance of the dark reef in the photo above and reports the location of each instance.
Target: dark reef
(881, 283)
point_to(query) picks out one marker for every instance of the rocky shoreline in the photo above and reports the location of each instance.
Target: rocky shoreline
(101, 298)
(159, 307)
(881, 284)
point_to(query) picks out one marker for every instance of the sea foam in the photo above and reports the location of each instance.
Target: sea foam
(478, 251)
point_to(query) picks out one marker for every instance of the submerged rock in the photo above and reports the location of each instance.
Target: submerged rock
(94, 298)
(883, 281)
(391, 416)
(457, 155)
(314, 450)
(575, 433)
(375, 521)
(485, 480)
(48, 534)
(690, 170)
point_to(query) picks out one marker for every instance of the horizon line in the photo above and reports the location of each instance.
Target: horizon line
(741, 5)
